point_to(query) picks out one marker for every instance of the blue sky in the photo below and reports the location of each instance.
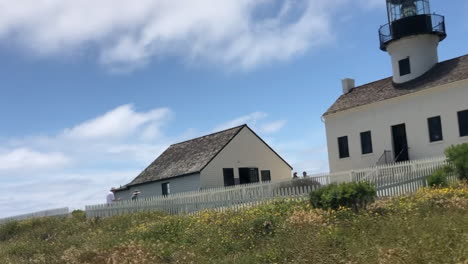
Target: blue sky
(91, 92)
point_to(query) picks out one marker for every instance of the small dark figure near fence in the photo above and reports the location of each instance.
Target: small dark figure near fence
(304, 174)
(295, 176)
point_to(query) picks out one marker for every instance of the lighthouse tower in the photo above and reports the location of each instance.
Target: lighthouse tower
(411, 38)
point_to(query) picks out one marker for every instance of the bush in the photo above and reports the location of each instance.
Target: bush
(79, 215)
(458, 157)
(355, 195)
(9, 230)
(439, 178)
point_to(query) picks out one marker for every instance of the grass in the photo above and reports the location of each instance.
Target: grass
(430, 226)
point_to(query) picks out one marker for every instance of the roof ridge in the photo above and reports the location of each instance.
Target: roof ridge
(444, 72)
(466, 55)
(362, 85)
(219, 132)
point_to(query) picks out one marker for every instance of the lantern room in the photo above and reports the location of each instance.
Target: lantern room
(408, 18)
(398, 9)
(411, 38)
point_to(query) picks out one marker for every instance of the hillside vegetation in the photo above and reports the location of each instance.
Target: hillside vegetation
(430, 226)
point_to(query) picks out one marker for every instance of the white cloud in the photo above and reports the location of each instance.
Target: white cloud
(127, 34)
(273, 127)
(79, 164)
(143, 152)
(26, 159)
(121, 136)
(47, 191)
(120, 122)
(257, 121)
(250, 119)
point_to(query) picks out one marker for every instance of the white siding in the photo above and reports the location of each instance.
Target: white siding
(420, 49)
(177, 185)
(245, 150)
(413, 110)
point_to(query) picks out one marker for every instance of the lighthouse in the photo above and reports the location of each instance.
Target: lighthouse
(414, 114)
(411, 38)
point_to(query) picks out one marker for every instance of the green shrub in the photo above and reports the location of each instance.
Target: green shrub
(439, 178)
(79, 214)
(355, 195)
(458, 157)
(9, 230)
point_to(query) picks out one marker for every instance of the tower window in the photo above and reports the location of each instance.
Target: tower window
(435, 129)
(405, 67)
(343, 147)
(463, 123)
(366, 143)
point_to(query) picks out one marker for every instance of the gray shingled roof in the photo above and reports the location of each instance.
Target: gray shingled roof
(187, 157)
(443, 73)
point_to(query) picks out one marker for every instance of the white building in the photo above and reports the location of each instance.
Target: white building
(417, 113)
(230, 157)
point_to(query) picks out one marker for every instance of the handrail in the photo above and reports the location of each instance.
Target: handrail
(383, 158)
(405, 148)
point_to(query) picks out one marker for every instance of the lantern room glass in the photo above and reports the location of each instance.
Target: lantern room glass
(398, 9)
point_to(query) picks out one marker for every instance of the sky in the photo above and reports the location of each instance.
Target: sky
(93, 91)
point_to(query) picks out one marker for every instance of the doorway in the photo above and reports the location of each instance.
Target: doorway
(248, 175)
(229, 177)
(400, 143)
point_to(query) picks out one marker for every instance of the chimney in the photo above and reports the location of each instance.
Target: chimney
(348, 85)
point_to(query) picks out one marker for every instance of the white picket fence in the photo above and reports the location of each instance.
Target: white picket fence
(234, 197)
(402, 178)
(390, 180)
(45, 213)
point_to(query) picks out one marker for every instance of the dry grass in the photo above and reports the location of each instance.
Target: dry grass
(428, 227)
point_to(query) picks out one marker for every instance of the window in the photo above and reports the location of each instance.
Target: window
(405, 67)
(248, 175)
(343, 147)
(166, 190)
(366, 143)
(435, 129)
(463, 123)
(254, 175)
(229, 177)
(266, 175)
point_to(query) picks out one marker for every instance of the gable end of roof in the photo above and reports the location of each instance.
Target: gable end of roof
(187, 157)
(255, 134)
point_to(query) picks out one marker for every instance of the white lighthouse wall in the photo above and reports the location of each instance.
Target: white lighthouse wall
(422, 51)
(413, 110)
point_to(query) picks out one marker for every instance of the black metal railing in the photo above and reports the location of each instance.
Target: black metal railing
(386, 158)
(403, 155)
(420, 24)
